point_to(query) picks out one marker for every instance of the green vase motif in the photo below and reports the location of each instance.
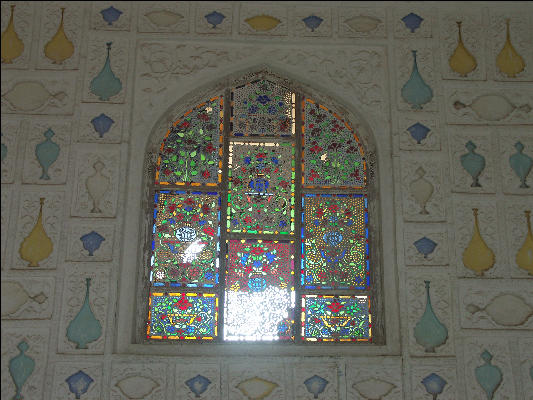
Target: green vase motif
(488, 376)
(106, 84)
(473, 163)
(84, 328)
(415, 91)
(429, 332)
(521, 164)
(47, 153)
(20, 369)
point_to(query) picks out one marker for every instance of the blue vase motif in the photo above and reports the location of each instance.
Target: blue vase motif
(84, 328)
(418, 132)
(110, 15)
(47, 153)
(106, 84)
(425, 246)
(415, 91)
(102, 124)
(315, 385)
(214, 18)
(312, 22)
(429, 332)
(434, 384)
(92, 241)
(521, 164)
(79, 383)
(412, 21)
(473, 163)
(20, 369)
(488, 376)
(198, 384)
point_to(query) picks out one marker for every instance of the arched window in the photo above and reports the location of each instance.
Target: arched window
(261, 223)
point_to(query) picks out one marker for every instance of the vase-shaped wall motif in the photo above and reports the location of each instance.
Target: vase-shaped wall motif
(429, 332)
(47, 153)
(524, 257)
(473, 163)
(508, 60)
(59, 48)
(20, 368)
(97, 186)
(12, 45)
(415, 91)
(37, 246)
(478, 257)
(488, 376)
(421, 190)
(462, 61)
(521, 164)
(84, 328)
(106, 85)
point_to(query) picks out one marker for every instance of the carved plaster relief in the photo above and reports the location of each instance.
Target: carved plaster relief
(499, 349)
(526, 365)
(473, 37)
(50, 22)
(27, 298)
(422, 188)
(516, 232)
(490, 107)
(96, 58)
(97, 181)
(374, 378)
(508, 139)
(312, 381)
(36, 171)
(87, 384)
(416, 133)
(53, 215)
(138, 381)
(489, 230)
(90, 241)
(479, 161)
(440, 296)
(23, 26)
(362, 22)
(446, 369)
(74, 289)
(487, 305)
(221, 17)
(257, 380)
(521, 39)
(162, 16)
(426, 244)
(100, 123)
(418, 25)
(304, 25)
(32, 94)
(11, 131)
(37, 341)
(6, 195)
(111, 20)
(276, 25)
(195, 381)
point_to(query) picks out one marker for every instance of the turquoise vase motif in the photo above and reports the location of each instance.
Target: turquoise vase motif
(488, 376)
(84, 328)
(105, 85)
(521, 164)
(429, 332)
(20, 369)
(47, 153)
(415, 91)
(473, 163)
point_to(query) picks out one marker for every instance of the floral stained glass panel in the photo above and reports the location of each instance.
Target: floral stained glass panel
(263, 108)
(334, 242)
(336, 318)
(259, 300)
(333, 156)
(191, 152)
(261, 188)
(182, 316)
(185, 239)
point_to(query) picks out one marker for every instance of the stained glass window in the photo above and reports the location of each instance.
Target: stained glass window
(271, 225)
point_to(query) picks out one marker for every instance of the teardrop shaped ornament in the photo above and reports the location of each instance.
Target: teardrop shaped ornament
(84, 328)
(478, 257)
(106, 84)
(59, 48)
(524, 257)
(462, 61)
(415, 91)
(37, 246)
(429, 332)
(12, 46)
(508, 60)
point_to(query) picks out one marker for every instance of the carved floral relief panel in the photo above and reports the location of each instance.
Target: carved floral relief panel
(258, 380)
(510, 60)
(97, 181)
(311, 21)
(163, 16)
(498, 348)
(515, 159)
(472, 160)
(490, 107)
(488, 305)
(516, 230)
(426, 244)
(366, 22)
(11, 131)
(138, 381)
(6, 195)
(418, 133)
(18, 46)
(200, 380)
(374, 378)
(100, 123)
(46, 157)
(214, 18)
(312, 381)
(27, 298)
(74, 296)
(423, 377)
(263, 20)
(525, 347)
(90, 240)
(60, 37)
(36, 345)
(413, 22)
(77, 380)
(465, 55)
(111, 16)
(30, 244)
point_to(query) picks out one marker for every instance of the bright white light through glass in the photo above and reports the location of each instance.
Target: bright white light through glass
(191, 253)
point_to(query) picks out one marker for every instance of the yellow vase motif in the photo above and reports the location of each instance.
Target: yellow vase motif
(461, 61)
(524, 257)
(478, 256)
(509, 61)
(59, 48)
(37, 246)
(12, 46)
